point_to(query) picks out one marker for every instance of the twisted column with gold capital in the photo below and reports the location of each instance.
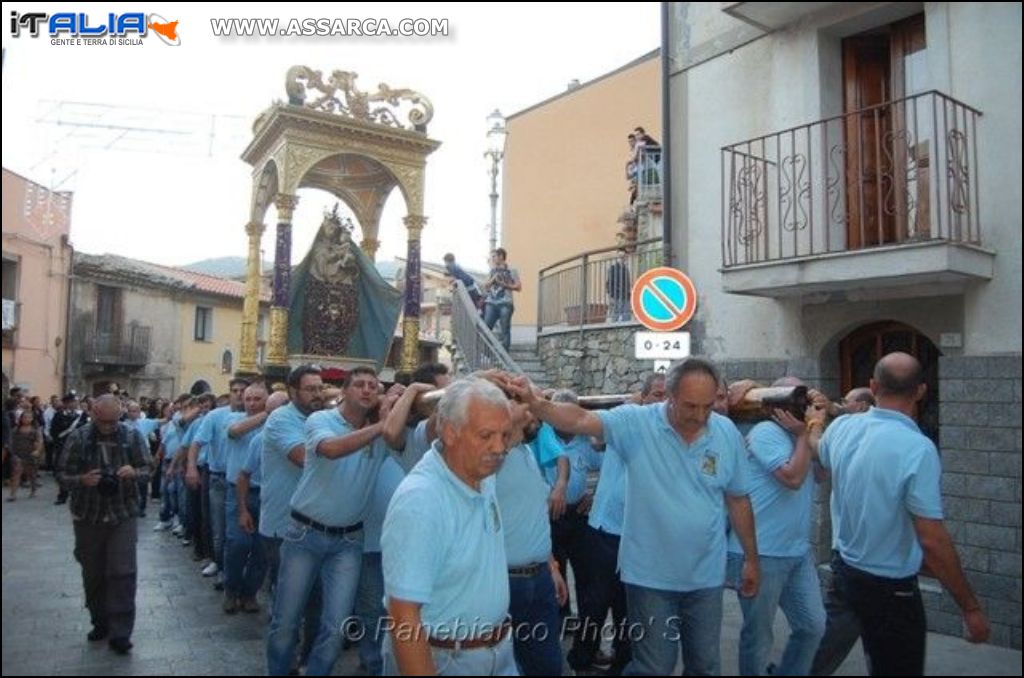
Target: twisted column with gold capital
(251, 307)
(277, 355)
(413, 291)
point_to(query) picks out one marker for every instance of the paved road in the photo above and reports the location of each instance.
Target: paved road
(181, 630)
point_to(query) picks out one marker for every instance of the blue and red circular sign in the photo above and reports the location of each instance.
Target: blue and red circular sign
(664, 299)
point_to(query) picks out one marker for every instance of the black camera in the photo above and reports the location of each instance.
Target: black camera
(109, 484)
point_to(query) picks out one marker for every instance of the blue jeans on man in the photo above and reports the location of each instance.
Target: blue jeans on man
(792, 585)
(244, 565)
(371, 612)
(536, 623)
(493, 313)
(670, 620)
(308, 554)
(218, 501)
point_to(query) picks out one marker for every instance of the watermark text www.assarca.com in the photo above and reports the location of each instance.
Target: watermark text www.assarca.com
(330, 27)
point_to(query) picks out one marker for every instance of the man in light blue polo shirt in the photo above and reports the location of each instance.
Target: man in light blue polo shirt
(569, 528)
(603, 534)
(243, 562)
(536, 586)
(445, 571)
(283, 457)
(684, 474)
(887, 519)
(781, 492)
(212, 435)
(404, 434)
(344, 453)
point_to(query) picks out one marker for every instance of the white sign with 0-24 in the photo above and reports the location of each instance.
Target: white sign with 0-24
(662, 345)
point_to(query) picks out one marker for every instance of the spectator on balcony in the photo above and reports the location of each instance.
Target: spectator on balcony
(631, 167)
(498, 304)
(456, 272)
(618, 285)
(647, 158)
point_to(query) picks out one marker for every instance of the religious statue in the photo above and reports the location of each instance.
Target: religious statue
(340, 305)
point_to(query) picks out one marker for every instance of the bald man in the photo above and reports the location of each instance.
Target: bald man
(102, 466)
(886, 519)
(859, 400)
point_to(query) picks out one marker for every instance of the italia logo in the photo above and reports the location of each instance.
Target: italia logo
(79, 28)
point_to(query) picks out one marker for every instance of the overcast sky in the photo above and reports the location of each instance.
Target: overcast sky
(191, 200)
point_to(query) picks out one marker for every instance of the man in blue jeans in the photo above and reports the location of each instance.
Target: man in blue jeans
(685, 474)
(536, 586)
(498, 304)
(344, 454)
(781, 492)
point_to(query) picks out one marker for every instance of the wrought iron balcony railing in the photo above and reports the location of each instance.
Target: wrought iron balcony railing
(899, 172)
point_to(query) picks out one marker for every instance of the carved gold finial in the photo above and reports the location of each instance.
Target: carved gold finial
(342, 96)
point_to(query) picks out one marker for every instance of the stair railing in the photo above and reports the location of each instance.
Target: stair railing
(476, 346)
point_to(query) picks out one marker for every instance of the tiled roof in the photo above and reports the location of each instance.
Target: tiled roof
(116, 267)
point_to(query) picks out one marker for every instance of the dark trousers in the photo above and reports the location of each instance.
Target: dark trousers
(143, 496)
(888, 615)
(107, 556)
(604, 591)
(568, 545)
(537, 630)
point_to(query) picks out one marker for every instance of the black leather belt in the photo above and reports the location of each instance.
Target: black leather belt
(527, 571)
(326, 529)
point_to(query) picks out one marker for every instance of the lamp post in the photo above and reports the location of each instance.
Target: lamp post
(496, 133)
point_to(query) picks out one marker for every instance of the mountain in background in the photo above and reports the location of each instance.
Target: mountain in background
(223, 267)
(234, 267)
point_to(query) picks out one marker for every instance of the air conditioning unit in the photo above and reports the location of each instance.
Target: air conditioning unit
(10, 315)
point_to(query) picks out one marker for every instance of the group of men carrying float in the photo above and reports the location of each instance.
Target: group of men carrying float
(466, 561)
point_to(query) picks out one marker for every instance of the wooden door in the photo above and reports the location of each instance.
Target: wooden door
(865, 346)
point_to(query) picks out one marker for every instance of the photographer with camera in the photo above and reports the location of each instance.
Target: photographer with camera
(101, 466)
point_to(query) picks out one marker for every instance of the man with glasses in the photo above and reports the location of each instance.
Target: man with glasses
(284, 454)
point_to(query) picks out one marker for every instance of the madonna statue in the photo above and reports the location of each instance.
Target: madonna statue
(340, 305)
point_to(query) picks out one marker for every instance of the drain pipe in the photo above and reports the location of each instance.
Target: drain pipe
(666, 137)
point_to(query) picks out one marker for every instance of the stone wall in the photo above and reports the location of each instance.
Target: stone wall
(599, 360)
(980, 435)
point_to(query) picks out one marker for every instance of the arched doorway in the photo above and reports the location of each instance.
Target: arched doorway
(863, 347)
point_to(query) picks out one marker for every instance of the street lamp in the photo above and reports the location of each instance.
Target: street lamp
(496, 133)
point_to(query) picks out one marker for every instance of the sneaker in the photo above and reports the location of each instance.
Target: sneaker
(121, 646)
(231, 604)
(162, 526)
(250, 606)
(97, 633)
(210, 570)
(186, 542)
(178, 531)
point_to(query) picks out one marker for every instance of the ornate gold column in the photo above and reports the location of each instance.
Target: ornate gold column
(414, 223)
(251, 307)
(369, 247)
(277, 355)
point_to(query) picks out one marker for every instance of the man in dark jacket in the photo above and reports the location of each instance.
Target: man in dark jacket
(101, 466)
